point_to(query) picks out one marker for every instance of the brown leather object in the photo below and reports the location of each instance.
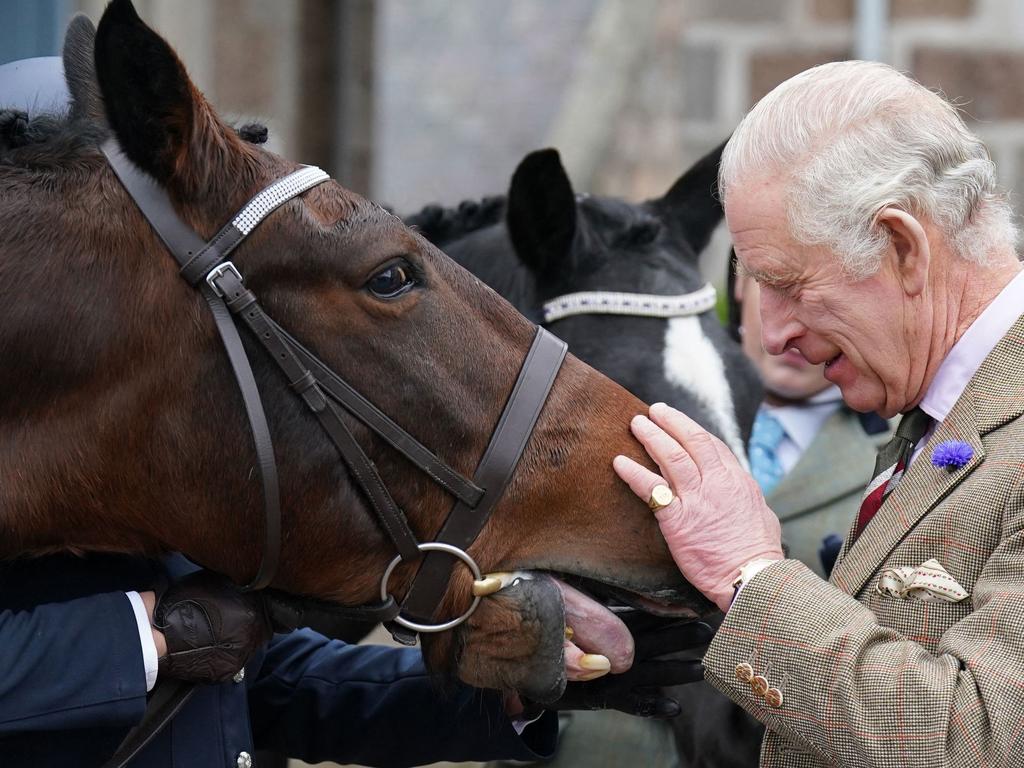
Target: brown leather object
(211, 626)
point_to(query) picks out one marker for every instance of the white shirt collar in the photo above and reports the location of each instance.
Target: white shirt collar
(803, 421)
(972, 348)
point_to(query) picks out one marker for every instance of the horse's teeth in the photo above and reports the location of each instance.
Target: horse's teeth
(487, 585)
(569, 633)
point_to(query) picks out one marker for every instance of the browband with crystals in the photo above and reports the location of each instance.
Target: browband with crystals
(636, 304)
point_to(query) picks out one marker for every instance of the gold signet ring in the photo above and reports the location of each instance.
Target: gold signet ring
(661, 497)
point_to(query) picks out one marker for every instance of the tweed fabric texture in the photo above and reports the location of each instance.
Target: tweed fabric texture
(871, 680)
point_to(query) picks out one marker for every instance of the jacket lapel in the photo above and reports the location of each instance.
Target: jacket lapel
(813, 482)
(993, 397)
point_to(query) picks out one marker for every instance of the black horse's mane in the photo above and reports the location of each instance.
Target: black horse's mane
(629, 225)
(442, 225)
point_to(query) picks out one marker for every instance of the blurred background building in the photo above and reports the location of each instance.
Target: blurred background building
(416, 101)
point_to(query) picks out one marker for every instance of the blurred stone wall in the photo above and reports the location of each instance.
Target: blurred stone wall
(712, 59)
(465, 89)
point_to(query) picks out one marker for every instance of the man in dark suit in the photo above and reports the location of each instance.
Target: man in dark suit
(73, 681)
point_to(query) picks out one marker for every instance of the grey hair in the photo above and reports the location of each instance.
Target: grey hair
(852, 138)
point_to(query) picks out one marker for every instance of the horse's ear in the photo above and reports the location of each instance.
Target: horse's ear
(692, 204)
(541, 215)
(79, 70)
(160, 119)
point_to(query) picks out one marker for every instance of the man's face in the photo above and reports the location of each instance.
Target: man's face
(857, 329)
(787, 376)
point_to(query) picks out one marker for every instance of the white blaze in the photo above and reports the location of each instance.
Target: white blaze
(693, 363)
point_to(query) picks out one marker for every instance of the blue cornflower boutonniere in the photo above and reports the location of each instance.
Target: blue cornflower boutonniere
(951, 454)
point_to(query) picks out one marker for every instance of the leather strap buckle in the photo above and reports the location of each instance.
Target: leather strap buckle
(217, 272)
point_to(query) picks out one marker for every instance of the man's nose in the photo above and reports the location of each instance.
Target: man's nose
(779, 328)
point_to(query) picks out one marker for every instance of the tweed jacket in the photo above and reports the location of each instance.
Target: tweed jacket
(821, 493)
(874, 681)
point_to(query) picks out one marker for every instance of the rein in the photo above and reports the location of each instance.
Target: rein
(634, 304)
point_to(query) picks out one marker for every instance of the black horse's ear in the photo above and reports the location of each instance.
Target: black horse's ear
(541, 215)
(160, 119)
(692, 204)
(79, 70)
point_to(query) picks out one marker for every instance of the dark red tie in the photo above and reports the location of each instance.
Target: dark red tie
(892, 459)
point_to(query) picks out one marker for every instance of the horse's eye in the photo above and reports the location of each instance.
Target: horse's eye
(392, 281)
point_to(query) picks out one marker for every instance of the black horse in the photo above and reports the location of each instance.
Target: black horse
(543, 242)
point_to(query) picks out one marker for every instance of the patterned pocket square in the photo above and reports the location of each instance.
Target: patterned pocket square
(928, 581)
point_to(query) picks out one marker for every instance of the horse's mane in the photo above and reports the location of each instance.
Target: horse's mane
(65, 139)
(442, 225)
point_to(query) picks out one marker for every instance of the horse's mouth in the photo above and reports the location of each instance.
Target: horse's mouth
(592, 625)
(667, 602)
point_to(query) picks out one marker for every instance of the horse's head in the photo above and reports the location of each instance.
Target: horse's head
(546, 241)
(124, 429)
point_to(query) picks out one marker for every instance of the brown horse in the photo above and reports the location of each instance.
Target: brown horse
(123, 430)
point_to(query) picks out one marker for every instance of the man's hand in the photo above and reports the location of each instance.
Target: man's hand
(719, 520)
(638, 691)
(210, 626)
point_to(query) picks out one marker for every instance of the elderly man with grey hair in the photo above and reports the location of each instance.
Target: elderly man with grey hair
(870, 216)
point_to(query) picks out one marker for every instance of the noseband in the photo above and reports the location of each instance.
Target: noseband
(204, 265)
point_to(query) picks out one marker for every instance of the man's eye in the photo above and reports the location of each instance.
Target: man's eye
(392, 281)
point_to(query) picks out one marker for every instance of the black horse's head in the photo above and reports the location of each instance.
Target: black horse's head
(544, 241)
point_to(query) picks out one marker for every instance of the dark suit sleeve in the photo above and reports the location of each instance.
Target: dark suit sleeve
(318, 699)
(75, 664)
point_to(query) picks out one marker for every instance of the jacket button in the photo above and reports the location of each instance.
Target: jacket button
(239, 676)
(744, 672)
(244, 760)
(759, 684)
(774, 697)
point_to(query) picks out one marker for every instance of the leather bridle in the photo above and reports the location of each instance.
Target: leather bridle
(631, 304)
(205, 266)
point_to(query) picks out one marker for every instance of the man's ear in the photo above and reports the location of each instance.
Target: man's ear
(909, 248)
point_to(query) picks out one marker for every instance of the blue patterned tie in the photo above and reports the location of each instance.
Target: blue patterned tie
(764, 444)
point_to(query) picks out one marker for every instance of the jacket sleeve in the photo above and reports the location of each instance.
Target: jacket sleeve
(856, 693)
(74, 664)
(317, 699)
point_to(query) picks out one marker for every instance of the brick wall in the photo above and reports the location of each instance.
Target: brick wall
(713, 59)
(465, 89)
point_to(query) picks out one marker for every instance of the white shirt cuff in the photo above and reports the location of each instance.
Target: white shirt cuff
(146, 638)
